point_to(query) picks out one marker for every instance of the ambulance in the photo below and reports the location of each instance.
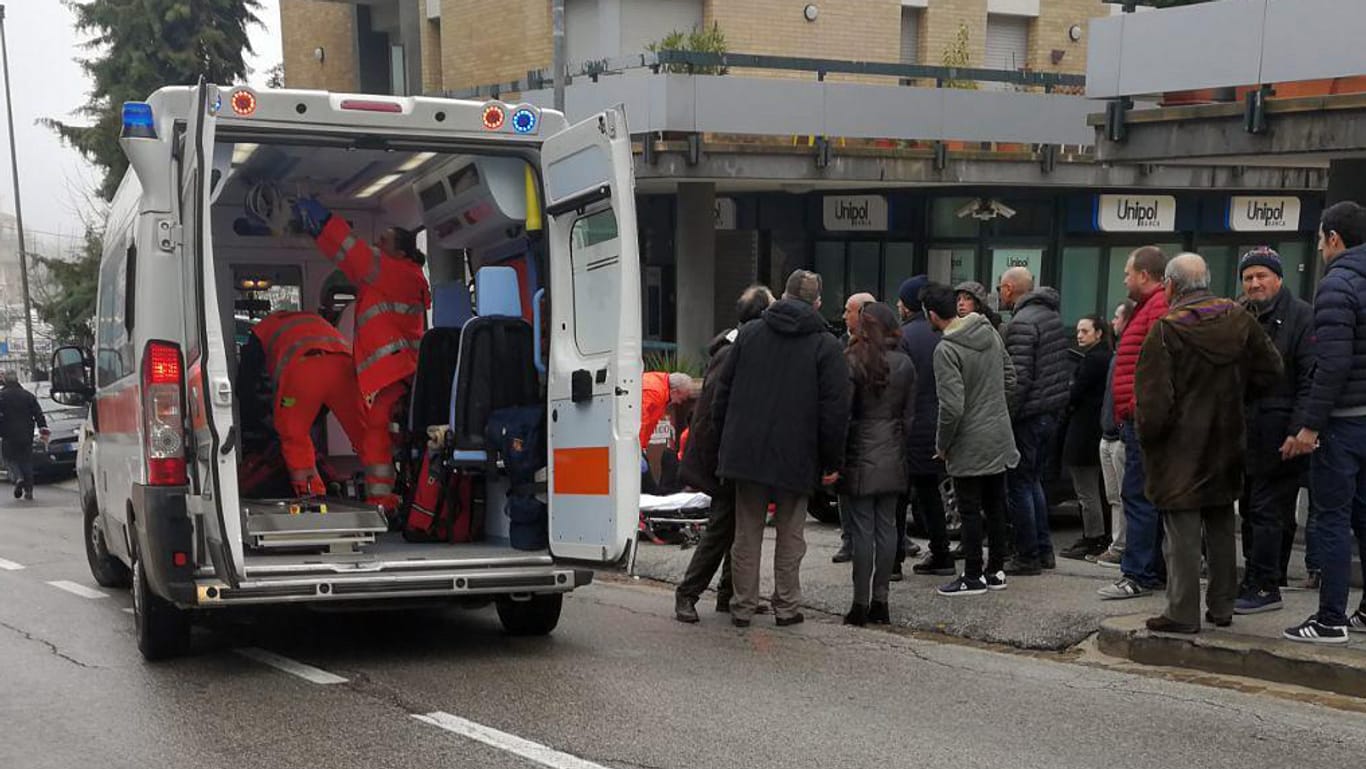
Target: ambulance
(529, 228)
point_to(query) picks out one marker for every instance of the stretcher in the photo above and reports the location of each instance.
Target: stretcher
(674, 518)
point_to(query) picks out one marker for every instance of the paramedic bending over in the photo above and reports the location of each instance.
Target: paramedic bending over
(657, 391)
(392, 298)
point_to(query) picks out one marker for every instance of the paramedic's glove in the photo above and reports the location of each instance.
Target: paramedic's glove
(311, 214)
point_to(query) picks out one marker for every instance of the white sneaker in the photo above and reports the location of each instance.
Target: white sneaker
(996, 581)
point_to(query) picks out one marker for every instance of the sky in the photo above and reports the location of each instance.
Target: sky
(47, 82)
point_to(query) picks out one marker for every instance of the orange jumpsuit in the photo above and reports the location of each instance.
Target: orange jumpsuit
(654, 404)
(310, 365)
(391, 315)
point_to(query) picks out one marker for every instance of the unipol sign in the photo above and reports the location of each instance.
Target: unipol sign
(1135, 213)
(859, 213)
(1259, 213)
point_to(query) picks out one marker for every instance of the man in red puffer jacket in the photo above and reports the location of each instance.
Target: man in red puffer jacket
(1142, 567)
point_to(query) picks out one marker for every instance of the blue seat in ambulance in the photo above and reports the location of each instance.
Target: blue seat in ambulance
(437, 357)
(496, 366)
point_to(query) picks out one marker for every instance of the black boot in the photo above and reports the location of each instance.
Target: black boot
(857, 616)
(685, 609)
(879, 614)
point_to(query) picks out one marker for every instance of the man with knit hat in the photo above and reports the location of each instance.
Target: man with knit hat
(1272, 486)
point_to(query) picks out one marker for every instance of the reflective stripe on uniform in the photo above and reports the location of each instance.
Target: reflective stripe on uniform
(380, 308)
(385, 351)
(347, 244)
(374, 266)
(287, 325)
(287, 356)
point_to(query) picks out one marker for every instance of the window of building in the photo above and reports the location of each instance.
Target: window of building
(1079, 283)
(945, 221)
(900, 266)
(910, 35)
(1007, 41)
(952, 266)
(829, 263)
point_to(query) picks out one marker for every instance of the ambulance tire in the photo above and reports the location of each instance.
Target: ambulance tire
(107, 570)
(163, 630)
(537, 616)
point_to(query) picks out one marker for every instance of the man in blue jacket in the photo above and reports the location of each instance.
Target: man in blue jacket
(1335, 422)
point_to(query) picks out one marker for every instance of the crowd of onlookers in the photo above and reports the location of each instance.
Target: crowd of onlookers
(1181, 413)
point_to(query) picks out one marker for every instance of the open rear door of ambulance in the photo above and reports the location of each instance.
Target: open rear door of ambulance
(595, 346)
(213, 494)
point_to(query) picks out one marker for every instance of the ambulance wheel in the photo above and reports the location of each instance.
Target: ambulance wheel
(163, 630)
(537, 616)
(107, 570)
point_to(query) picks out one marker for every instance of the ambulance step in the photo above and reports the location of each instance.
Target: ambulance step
(289, 524)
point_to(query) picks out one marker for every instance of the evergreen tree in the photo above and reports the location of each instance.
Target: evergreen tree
(139, 46)
(66, 299)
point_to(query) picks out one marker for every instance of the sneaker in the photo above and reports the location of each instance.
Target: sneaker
(897, 574)
(1077, 551)
(1122, 589)
(1048, 561)
(685, 609)
(795, 619)
(912, 549)
(1257, 601)
(996, 581)
(1109, 559)
(1357, 622)
(843, 556)
(940, 567)
(1017, 567)
(964, 586)
(1314, 632)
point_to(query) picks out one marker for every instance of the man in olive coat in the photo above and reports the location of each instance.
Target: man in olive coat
(1199, 364)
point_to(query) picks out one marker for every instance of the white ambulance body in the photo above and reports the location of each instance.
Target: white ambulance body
(202, 217)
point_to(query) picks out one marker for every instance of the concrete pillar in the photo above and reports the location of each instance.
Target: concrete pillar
(1347, 181)
(695, 271)
(411, 14)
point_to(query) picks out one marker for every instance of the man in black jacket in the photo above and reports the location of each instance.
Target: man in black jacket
(699, 472)
(19, 414)
(1037, 343)
(1272, 487)
(919, 338)
(782, 410)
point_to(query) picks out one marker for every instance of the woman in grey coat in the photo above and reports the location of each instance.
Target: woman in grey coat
(874, 473)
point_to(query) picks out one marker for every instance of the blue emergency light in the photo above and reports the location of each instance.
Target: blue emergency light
(524, 121)
(138, 122)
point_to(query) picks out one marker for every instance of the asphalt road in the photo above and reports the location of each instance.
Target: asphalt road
(620, 684)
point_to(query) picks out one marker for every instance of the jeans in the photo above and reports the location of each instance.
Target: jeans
(929, 509)
(980, 495)
(1028, 507)
(1337, 473)
(1142, 561)
(1112, 470)
(1268, 511)
(713, 551)
(874, 544)
(1311, 540)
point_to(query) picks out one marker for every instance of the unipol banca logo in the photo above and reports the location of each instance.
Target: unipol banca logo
(1135, 213)
(1258, 213)
(855, 212)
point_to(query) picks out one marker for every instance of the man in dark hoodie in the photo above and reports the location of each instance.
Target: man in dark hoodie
(1197, 367)
(1334, 430)
(1038, 343)
(919, 338)
(782, 411)
(699, 471)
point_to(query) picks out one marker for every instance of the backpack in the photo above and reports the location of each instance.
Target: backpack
(442, 506)
(517, 436)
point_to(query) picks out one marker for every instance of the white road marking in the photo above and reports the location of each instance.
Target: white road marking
(10, 565)
(306, 672)
(532, 751)
(75, 589)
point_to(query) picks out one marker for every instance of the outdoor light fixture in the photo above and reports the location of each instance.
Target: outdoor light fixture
(319, 54)
(1074, 32)
(811, 12)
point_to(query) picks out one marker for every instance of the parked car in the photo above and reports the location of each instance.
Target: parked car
(56, 460)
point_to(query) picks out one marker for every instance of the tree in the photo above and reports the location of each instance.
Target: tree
(66, 299)
(959, 54)
(141, 45)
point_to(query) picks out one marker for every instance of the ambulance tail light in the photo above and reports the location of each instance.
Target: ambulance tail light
(163, 410)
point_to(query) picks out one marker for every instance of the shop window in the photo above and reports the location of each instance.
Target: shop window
(1223, 270)
(863, 266)
(1032, 217)
(1080, 283)
(900, 266)
(829, 263)
(945, 221)
(1294, 257)
(953, 265)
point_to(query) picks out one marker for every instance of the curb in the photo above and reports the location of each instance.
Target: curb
(1338, 669)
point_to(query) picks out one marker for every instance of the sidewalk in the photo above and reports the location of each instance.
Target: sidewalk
(1059, 610)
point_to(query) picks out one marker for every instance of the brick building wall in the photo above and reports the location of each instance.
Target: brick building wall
(305, 26)
(493, 41)
(1049, 33)
(433, 77)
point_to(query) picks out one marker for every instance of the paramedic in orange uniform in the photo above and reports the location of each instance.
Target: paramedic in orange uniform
(310, 365)
(657, 391)
(392, 299)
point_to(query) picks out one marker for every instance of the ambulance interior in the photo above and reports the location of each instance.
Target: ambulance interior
(478, 223)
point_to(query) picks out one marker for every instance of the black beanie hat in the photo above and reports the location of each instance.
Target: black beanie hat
(1261, 257)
